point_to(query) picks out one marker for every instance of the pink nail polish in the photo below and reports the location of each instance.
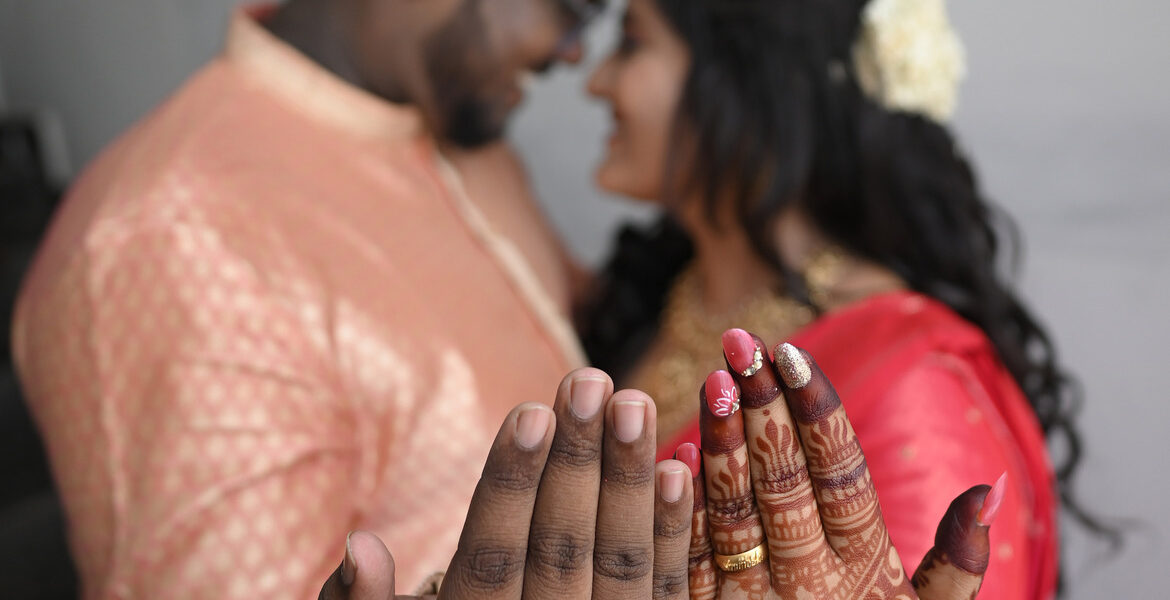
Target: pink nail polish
(992, 502)
(688, 454)
(742, 352)
(722, 395)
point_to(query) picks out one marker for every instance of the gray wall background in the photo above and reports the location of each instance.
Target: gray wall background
(1065, 111)
(3, 99)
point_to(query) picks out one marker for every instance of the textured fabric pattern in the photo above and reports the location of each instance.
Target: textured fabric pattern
(265, 317)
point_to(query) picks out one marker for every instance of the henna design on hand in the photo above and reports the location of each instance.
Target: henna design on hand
(790, 464)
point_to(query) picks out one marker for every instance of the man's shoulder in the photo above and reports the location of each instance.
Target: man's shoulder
(182, 169)
(199, 147)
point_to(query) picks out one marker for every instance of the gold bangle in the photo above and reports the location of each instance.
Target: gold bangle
(734, 563)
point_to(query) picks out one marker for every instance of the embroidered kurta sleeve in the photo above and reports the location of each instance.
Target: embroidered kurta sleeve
(933, 434)
(224, 450)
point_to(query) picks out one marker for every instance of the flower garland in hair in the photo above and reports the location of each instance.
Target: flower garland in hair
(908, 58)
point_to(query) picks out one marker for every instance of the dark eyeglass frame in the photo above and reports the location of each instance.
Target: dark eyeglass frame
(580, 13)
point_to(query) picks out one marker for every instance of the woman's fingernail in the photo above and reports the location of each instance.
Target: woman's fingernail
(532, 426)
(629, 418)
(688, 454)
(586, 395)
(670, 485)
(743, 354)
(992, 502)
(794, 368)
(349, 565)
(722, 395)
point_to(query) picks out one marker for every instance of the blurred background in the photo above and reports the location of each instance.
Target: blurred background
(1065, 111)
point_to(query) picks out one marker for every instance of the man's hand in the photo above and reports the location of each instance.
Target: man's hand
(570, 504)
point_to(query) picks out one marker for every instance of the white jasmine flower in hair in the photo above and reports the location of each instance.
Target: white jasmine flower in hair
(908, 57)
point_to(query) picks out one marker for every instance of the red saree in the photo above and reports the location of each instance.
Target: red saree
(936, 413)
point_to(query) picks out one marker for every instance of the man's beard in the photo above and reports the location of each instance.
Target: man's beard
(469, 122)
(458, 61)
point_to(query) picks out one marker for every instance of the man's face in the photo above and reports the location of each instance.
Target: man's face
(476, 62)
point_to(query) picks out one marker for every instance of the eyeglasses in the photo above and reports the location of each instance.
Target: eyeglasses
(579, 14)
(583, 11)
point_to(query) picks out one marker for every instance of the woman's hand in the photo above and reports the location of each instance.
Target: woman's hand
(787, 508)
(570, 504)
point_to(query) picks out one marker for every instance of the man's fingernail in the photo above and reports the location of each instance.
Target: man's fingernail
(742, 353)
(532, 426)
(688, 454)
(349, 565)
(586, 395)
(992, 502)
(629, 418)
(722, 395)
(794, 368)
(670, 485)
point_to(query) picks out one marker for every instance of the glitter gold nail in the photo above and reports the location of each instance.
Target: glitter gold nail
(793, 366)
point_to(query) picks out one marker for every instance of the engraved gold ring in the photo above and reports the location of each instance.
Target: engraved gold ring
(734, 563)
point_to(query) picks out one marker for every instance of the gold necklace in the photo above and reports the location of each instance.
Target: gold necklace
(688, 345)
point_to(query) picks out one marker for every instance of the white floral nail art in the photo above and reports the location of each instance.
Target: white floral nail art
(726, 404)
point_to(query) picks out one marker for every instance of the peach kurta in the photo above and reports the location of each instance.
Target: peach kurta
(264, 317)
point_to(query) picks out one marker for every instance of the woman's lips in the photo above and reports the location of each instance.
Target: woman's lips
(614, 138)
(616, 133)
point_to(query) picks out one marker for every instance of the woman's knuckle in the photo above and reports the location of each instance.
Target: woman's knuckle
(847, 487)
(782, 479)
(731, 511)
(843, 468)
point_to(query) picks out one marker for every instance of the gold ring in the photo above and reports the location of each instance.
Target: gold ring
(734, 563)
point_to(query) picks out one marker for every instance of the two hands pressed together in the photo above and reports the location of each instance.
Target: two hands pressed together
(778, 504)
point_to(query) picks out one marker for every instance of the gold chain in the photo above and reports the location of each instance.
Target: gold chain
(689, 341)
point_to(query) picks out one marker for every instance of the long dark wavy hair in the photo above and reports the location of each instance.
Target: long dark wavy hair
(772, 117)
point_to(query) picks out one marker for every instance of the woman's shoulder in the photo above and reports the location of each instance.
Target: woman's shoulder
(873, 344)
(898, 317)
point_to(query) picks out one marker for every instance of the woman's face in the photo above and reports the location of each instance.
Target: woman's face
(642, 81)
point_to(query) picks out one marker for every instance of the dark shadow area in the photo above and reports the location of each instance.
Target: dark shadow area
(34, 556)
